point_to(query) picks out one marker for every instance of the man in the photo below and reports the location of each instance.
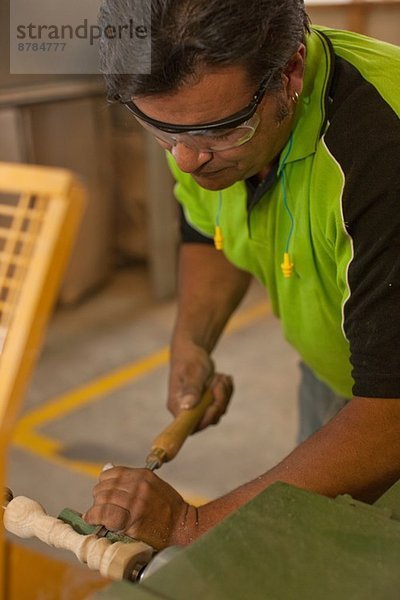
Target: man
(284, 141)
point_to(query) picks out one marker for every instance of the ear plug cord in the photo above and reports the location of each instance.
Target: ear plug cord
(218, 237)
(287, 265)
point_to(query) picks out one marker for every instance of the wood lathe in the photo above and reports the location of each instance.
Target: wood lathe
(114, 555)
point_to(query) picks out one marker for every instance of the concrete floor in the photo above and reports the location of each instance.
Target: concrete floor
(98, 395)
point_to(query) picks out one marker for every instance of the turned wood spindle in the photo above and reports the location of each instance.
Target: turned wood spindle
(26, 518)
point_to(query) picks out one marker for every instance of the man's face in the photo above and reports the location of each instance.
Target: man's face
(216, 95)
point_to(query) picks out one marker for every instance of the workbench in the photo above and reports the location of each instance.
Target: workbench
(286, 544)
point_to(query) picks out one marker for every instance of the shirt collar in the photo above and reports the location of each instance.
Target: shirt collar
(312, 106)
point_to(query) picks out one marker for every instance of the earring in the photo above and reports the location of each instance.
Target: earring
(295, 97)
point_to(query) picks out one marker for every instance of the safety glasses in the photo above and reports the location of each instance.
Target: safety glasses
(217, 136)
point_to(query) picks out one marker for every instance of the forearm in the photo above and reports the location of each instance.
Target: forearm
(210, 290)
(358, 453)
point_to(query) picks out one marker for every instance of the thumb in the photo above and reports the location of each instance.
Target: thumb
(189, 399)
(108, 466)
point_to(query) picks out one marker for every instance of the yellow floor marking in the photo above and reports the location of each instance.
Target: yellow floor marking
(66, 403)
(27, 437)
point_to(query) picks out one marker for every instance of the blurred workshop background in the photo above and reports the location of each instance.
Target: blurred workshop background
(99, 389)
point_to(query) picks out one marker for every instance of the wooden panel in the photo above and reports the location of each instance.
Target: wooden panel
(83, 125)
(163, 222)
(39, 213)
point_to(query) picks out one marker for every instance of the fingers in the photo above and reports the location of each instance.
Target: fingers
(119, 475)
(138, 503)
(192, 371)
(116, 517)
(222, 388)
(190, 374)
(112, 498)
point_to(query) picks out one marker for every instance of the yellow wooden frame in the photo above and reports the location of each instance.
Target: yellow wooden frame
(41, 208)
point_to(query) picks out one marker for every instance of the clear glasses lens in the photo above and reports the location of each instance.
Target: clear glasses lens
(205, 141)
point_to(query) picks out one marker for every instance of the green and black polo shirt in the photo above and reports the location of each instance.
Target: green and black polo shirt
(338, 182)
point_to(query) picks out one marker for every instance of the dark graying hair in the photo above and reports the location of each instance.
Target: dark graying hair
(260, 35)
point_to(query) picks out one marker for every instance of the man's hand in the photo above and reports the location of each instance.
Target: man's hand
(192, 371)
(141, 505)
(210, 289)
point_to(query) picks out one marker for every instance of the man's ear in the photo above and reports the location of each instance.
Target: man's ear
(294, 72)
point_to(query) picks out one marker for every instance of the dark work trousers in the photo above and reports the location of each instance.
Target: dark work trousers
(317, 404)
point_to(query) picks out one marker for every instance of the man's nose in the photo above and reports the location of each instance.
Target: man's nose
(189, 159)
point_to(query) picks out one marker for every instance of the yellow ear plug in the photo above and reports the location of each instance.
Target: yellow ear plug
(287, 266)
(218, 238)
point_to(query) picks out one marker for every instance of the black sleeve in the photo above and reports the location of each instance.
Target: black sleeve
(189, 235)
(366, 143)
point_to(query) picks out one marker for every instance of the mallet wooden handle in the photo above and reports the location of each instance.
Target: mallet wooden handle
(168, 443)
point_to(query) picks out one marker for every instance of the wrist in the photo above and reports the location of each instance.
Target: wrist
(188, 351)
(184, 341)
(188, 527)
